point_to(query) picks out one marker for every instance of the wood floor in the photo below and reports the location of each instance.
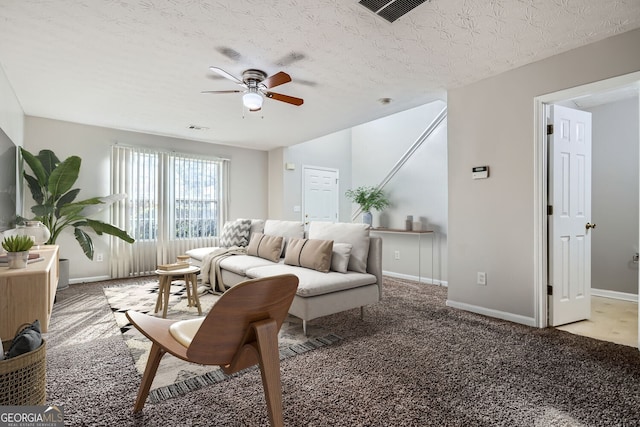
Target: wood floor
(611, 320)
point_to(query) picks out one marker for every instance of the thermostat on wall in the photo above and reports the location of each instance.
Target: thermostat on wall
(480, 172)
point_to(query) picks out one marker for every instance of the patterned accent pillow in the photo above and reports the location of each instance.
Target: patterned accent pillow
(235, 233)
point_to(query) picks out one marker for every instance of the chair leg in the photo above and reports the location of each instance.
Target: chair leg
(150, 370)
(304, 327)
(269, 361)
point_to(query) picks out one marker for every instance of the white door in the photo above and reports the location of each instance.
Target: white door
(320, 194)
(570, 225)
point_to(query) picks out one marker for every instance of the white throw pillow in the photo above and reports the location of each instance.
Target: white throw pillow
(355, 234)
(340, 257)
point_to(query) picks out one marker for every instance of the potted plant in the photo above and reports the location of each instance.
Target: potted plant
(55, 200)
(368, 198)
(17, 248)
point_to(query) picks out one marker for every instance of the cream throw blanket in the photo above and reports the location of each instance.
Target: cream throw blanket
(210, 269)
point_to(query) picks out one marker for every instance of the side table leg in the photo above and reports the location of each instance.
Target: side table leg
(167, 291)
(160, 288)
(194, 292)
(188, 289)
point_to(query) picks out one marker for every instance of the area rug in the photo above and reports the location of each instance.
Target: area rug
(176, 377)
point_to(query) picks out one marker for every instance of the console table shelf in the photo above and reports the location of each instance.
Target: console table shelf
(27, 294)
(418, 233)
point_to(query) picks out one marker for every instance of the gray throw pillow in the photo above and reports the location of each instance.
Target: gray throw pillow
(235, 233)
(26, 340)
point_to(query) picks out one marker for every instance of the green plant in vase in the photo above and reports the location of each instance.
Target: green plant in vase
(17, 243)
(17, 248)
(368, 198)
(51, 187)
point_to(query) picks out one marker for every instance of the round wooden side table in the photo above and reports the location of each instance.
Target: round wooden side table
(190, 283)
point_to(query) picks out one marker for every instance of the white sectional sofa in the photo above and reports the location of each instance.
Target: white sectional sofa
(352, 279)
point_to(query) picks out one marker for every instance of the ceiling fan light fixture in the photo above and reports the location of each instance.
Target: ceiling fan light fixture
(252, 100)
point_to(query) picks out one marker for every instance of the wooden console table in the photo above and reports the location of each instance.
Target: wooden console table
(27, 294)
(419, 233)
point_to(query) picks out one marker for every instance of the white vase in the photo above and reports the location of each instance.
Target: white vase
(35, 229)
(367, 218)
(18, 259)
(38, 232)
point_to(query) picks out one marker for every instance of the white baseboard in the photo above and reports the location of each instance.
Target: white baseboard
(516, 318)
(88, 279)
(426, 280)
(614, 295)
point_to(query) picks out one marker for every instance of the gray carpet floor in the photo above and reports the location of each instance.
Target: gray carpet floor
(411, 362)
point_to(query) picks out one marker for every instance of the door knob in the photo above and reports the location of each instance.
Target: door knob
(589, 225)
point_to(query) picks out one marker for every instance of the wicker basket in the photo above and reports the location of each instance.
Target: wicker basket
(23, 378)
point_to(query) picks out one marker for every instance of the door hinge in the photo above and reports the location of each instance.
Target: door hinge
(549, 129)
(549, 210)
(549, 290)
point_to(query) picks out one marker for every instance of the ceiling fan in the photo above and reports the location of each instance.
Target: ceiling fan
(257, 85)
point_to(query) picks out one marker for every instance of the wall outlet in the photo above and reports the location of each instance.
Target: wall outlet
(99, 257)
(482, 278)
(396, 255)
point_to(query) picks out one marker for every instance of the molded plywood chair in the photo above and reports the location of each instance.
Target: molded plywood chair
(241, 330)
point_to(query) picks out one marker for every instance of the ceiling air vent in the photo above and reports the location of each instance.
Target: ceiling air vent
(391, 10)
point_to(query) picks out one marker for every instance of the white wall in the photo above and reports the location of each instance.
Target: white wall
(330, 151)
(248, 172)
(419, 188)
(491, 222)
(11, 113)
(364, 155)
(615, 196)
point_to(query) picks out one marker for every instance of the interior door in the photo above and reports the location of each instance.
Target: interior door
(320, 194)
(570, 225)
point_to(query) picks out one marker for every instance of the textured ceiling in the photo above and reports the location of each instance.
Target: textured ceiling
(141, 64)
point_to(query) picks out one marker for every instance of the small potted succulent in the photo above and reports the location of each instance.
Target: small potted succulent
(17, 248)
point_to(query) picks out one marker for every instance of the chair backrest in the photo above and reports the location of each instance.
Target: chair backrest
(224, 328)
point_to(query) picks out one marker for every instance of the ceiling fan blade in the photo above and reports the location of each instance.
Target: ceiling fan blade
(284, 98)
(290, 59)
(276, 80)
(221, 91)
(229, 53)
(224, 74)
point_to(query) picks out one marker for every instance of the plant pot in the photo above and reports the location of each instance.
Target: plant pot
(18, 259)
(63, 273)
(367, 218)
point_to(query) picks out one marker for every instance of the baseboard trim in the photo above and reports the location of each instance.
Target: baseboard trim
(624, 296)
(516, 318)
(88, 279)
(425, 280)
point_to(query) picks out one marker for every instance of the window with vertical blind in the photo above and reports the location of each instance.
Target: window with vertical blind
(175, 202)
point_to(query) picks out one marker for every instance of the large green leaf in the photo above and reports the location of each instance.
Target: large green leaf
(85, 242)
(77, 207)
(36, 167)
(64, 176)
(67, 198)
(102, 227)
(49, 160)
(34, 186)
(42, 210)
